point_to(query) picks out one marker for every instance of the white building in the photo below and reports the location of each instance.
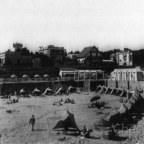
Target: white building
(81, 74)
(127, 74)
(72, 56)
(123, 58)
(56, 53)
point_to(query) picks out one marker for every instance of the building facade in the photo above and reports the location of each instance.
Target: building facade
(72, 56)
(128, 74)
(81, 74)
(53, 52)
(36, 63)
(14, 58)
(17, 46)
(123, 58)
(89, 55)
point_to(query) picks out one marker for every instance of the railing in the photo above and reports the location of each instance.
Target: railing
(54, 79)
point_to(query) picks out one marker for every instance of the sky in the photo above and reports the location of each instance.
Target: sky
(72, 24)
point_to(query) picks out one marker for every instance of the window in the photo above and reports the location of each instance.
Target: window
(130, 58)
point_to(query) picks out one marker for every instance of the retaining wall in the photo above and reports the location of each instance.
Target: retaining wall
(12, 87)
(126, 84)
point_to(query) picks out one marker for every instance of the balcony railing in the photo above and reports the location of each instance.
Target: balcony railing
(54, 79)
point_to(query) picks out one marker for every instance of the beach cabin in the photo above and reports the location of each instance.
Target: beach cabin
(82, 74)
(127, 74)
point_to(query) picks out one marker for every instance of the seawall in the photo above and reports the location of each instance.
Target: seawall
(12, 87)
(126, 84)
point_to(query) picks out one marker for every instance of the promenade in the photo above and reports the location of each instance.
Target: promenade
(39, 80)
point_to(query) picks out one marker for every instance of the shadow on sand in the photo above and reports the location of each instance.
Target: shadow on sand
(40, 130)
(117, 138)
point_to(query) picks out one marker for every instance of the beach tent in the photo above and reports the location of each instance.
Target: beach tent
(13, 76)
(98, 88)
(37, 76)
(48, 91)
(107, 90)
(22, 92)
(71, 89)
(114, 91)
(135, 97)
(102, 124)
(95, 98)
(67, 122)
(123, 94)
(114, 117)
(119, 91)
(111, 89)
(25, 76)
(101, 90)
(128, 105)
(132, 100)
(58, 91)
(131, 107)
(122, 109)
(56, 87)
(104, 89)
(36, 92)
(46, 76)
(61, 89)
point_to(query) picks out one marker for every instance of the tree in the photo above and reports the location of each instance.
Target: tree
(8, 50)
(8, 62)
(76, 52)
(45, 60)
(25, 51)
(70, 52)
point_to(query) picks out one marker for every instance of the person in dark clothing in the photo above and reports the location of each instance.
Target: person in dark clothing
(84, 129)
(32, 122)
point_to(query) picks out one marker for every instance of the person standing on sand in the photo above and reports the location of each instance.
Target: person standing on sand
(32, 122)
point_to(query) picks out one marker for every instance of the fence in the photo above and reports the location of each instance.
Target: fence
(54, 79)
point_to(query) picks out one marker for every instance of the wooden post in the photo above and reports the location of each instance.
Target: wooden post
(74, 76)
(48, 125)
(52, 81)
(84, 75)
(78, 78)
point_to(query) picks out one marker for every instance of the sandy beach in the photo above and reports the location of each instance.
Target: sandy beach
(15, 127)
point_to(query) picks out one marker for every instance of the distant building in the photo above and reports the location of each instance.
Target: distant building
(108, 63)
(89, 55)
(123, 58)
(14, 58)
(67, 72)
(36, 63)
(81, 74)
(127, 74)
(72, 56)
(55, 53)
(17, 46)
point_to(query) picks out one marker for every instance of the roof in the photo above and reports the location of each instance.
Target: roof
(107, 60)
(85, 51)
(137, 69)
(113, 55)
(67, 120)
(17, 55)
(67, 69)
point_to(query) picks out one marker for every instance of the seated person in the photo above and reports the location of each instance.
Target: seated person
(84, 131)
(87, 134)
